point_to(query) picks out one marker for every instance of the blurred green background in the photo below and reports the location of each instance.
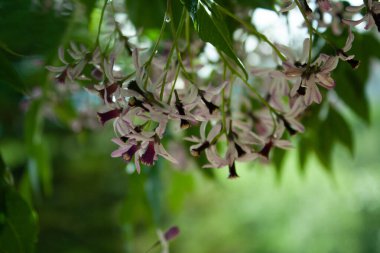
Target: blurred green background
(86, 201)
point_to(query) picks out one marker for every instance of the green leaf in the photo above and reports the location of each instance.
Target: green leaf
(39, 159)
(18, 227)
(211, 27)
(303, 153)
(9, 75)
(324, 142)
(146, 14)
(341, 129)
(278, 158)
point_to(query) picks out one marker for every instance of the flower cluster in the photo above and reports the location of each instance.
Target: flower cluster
(164, 94)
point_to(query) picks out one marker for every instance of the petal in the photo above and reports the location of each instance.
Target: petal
(248, 157)
(203, 130)
(162, 152)
(284, 144)
(55, 69)
(330, 64)
(355, 8)
(215, 159)
(326, 81)
(305, 51)
(214, 132)
(288, 8)
(312, 94)
(353, 22)
(137, 164)
(119, 152)
(349, 41)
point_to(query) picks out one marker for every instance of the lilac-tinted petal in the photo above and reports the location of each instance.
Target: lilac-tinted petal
(326, 81)
(61, 55)
(215, 159)
(248, 157)
(214, 132)
(296, 125)
(162, 152)
(312, 94)
(137, 164)
(330, 64)
(305, 51)
(119, 152)
(55, 69)
(349, 41)
(192, 139)
(118, 141)
(231, 153)
(203, 130)
(370, 22)
(284, 144)
(160, 130)
(353, 22)
(288, 7)
(355, 8)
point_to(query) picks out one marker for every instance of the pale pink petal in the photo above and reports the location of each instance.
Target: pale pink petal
(214, 132)
(353, 22)
(284, 144)
(162, 152)
(355, 8)
(326, 81)
(349, 41)
(215, 159)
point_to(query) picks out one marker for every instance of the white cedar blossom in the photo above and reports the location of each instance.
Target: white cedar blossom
(308, 76)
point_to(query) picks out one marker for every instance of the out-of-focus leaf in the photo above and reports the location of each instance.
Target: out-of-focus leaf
(268, 4)
(146, 14)
(153, 191)
(304, 149)
(33, 124)
(278, 158)
(324, 142)
(9, 75)
(39, 162)
(27, 28)
(18, 233)
(211, 27)
(341, 129)
(351, 89)
(18, 226)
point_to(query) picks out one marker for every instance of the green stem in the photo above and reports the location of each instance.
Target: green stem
(251, 29)
(310, 28)
(174, 46)
(174, 82)
(100, 23)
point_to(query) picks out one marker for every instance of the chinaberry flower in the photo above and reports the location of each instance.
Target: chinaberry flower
(144, 146)
(275, 141)
(308, 76)
(204, 142)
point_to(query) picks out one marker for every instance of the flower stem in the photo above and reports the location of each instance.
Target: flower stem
(309, 27)
(100, 23)
(252, 30)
